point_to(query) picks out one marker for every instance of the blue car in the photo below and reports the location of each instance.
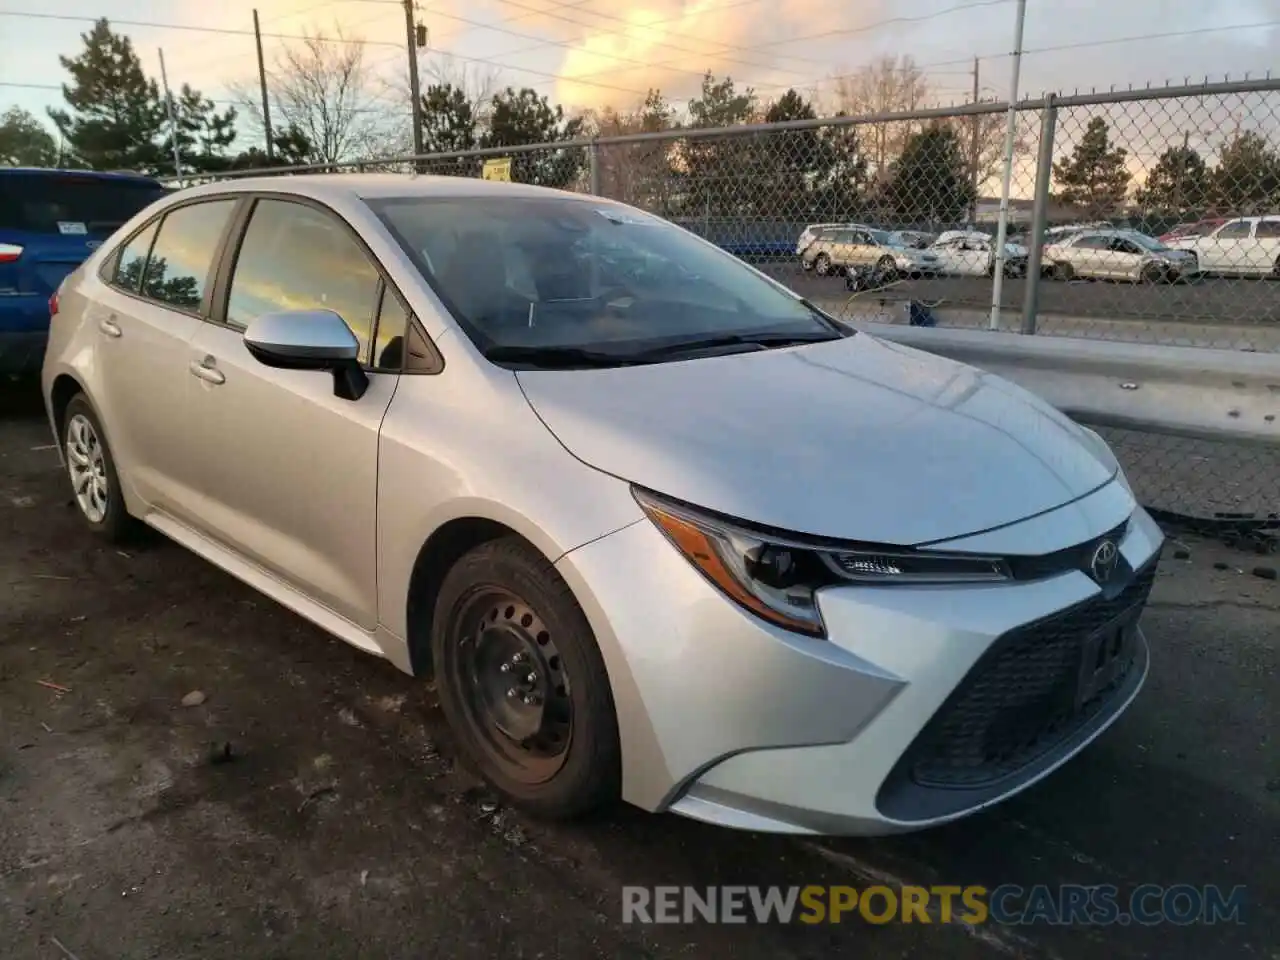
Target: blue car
(50, 220)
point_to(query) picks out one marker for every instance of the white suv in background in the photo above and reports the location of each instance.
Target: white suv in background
(1244, 246)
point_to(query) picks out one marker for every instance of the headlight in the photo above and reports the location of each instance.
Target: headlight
(1105, 454)
(776, 577)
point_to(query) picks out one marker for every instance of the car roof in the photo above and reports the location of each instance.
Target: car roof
(371, 186)
(107, 176)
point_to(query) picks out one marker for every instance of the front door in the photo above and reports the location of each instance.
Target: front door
(288, 470)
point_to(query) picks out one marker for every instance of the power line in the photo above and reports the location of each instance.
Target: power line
(719, 53)
(838, 31)
(1152, 36)
(226, 31)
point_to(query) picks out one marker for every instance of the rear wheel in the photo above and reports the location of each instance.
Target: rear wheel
(1064, 271)
(822, 265)
(887, 268)
(95, 485)
(1275, 269)
(522, 682)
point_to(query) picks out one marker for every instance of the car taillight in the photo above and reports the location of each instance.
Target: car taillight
(53, 305)
(9, 252)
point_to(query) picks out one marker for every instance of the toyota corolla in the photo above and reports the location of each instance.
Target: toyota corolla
(661, 529)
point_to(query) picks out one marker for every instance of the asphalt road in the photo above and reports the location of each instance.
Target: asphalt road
(1240, 302)
(341, 825)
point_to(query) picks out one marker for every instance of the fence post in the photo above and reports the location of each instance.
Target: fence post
(1039, 213)
(593, 166)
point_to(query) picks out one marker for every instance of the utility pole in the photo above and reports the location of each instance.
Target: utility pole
(173, 120)
(262, 81)
(975, 146)
(412, 35)
(1002, 229)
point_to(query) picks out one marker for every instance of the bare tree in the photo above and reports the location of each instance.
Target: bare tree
(889, 85)
(322, 87)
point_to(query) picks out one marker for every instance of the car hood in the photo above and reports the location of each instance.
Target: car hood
(856, 439)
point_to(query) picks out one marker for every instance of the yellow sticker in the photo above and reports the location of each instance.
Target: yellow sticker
(497, 168)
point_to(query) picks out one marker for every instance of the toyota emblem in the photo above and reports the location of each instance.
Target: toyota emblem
(1102, 566)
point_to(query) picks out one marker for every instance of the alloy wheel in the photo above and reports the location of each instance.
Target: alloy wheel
(87, 467)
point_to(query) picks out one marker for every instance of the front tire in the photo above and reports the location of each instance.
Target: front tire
(822, 265)
(522, 682)
(95, 484)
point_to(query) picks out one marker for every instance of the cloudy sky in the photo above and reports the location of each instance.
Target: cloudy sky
(597, 52)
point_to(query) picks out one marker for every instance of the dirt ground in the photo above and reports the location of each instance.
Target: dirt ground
(310, 805)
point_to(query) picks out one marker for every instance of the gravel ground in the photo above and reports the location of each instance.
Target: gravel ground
(339, 825)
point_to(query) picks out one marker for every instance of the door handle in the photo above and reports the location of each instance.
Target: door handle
(208, 371)
(109, 326)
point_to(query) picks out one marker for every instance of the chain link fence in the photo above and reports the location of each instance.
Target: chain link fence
(1148, 216)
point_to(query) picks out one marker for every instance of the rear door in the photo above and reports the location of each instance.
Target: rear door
(158, 287)
(57, 219)
(1225, 250)
(1265, 249)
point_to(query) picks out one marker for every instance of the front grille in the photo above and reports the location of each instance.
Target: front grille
(1021, 698)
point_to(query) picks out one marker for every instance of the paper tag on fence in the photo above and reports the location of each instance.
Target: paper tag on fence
(497, 168)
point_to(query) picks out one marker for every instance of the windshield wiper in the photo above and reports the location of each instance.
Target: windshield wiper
(558, 357)
(733, 340)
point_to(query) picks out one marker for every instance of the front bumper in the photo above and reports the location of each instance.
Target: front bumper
(726, 719)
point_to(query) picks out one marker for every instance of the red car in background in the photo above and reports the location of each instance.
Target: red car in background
(1199, 228)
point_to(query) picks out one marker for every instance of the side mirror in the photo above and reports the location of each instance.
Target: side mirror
(309, 340)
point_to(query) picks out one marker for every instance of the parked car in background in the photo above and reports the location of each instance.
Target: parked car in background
(974, 255)
(1118, 255)
(1242, 246)
(50, 220)
(835, 251)
(674, 536)
(1197, 228)
(816, 230)
(912, 239)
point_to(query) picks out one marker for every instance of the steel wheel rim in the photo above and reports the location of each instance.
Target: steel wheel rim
(87, 466)
(512, 685)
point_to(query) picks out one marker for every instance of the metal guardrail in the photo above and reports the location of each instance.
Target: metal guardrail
(1196, 430)
(1177, 391)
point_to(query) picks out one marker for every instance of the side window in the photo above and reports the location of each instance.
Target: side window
(1235, 231)
(1268, 230)
(182, 257)
(295, 257)
(132, 259)
(1091, 243)
(393, 321)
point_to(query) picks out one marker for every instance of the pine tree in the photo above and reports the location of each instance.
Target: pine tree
(525, 117)
(1176, 184)
(930, 182)
(1094, 176)
(204, 134)
(117, 117)
(24, 141)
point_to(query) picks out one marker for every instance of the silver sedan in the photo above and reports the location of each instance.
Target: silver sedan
(661, 530)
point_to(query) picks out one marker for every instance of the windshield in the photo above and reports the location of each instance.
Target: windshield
(581, 275)
(71, 205)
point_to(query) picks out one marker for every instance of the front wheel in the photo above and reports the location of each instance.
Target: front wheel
(522, 682)
(1064, 271)
(887, 268)
(822, 265)
(95, 485)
